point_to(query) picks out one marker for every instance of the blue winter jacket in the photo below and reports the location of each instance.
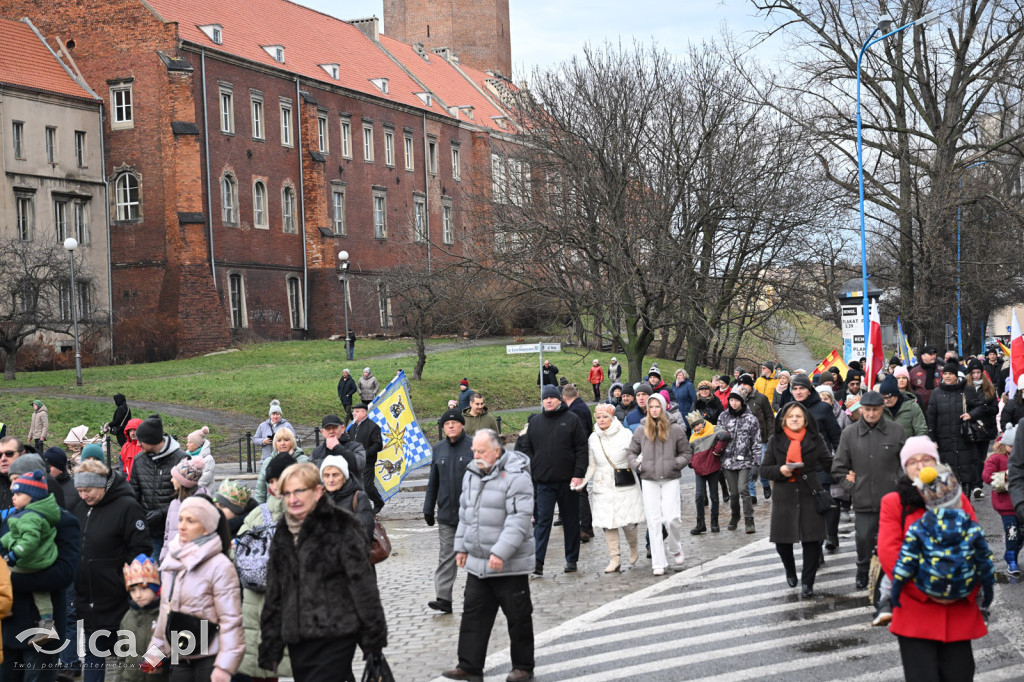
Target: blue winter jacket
(685, 396)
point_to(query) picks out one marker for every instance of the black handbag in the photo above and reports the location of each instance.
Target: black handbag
(973, 430)
(623, 477)
(187, 634)
(377, 669)
(823, 502)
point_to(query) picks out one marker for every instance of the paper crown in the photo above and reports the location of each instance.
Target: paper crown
(142, 571)
(694, 418)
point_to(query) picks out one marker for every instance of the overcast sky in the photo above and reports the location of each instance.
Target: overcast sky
(545, 32)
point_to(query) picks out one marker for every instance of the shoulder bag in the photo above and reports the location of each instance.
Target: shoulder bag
(823, 502)
(187, 632)
(252, 553)
(973, 430)
(380, 549)
(623, 477)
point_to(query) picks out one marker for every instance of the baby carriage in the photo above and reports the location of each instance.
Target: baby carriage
(78, 438)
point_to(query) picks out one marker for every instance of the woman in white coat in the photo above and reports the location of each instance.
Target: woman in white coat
(614, 507)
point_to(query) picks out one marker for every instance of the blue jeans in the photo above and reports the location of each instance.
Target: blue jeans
(752, 483)
(28, 665)
(350, 348)
(95, 666)
(546, 496)
(69, 654)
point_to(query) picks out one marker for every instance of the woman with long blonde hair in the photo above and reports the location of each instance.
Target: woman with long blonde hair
(988, 396)
(658, 452)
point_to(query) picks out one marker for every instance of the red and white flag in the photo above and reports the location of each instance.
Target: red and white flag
(875, 353)
(1016, 350)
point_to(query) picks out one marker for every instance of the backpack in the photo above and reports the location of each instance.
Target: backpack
(252, 553)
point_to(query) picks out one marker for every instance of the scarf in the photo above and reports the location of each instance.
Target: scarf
(929, 375)
(794, 452)
(706, 431)
(736, 413)
(294, 526)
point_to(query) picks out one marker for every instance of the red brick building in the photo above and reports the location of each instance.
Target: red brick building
(248, 141)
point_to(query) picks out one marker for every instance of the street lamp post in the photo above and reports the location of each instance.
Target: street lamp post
(343, 277)
(884, 26)
(70, 244)
(959, 332)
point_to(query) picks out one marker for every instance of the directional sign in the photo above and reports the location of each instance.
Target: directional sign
(552, 348)
(522, 348)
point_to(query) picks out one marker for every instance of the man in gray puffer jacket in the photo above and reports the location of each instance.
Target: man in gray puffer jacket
(494, 543)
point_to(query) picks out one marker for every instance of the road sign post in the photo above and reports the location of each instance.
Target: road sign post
(541, 348)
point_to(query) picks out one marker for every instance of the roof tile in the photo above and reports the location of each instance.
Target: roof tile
(25, 61)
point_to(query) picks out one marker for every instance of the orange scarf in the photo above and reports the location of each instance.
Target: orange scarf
(794, 452)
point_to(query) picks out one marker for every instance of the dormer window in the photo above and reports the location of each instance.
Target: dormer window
(466, 111)
(276, 52)
(332, 70)
(425, 98)
(214, 32)
(381, 83)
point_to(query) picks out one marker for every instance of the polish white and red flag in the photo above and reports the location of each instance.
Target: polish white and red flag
(875, 353)
(1016, 350)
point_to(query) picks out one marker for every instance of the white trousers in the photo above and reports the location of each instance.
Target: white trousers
(662, 507)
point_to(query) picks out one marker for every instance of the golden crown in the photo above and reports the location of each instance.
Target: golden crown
(141, 572)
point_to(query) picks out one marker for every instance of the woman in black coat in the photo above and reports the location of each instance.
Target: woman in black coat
(794, 515)
(707, 403)
(113, 534)
(988, 402)
(322, 598)
(346, 493)
(951, 403)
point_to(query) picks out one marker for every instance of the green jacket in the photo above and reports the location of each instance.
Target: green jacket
(33, 534)
(474, 424)
(141, 623)
(260, 494)
(910, 416)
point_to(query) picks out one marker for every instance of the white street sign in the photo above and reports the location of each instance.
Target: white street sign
(552, 348)
(522, 348)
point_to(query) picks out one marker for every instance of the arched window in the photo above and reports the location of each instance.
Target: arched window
(126, 196)
(259, 205)
(288, 209)
(229, 199)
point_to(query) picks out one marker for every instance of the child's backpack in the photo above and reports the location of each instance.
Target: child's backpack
(252, 553)
(946, 574)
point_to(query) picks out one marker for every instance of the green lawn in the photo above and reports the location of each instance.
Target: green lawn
(820, 336)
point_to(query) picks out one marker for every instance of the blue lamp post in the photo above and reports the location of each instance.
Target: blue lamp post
(884, 26)
(959, 332)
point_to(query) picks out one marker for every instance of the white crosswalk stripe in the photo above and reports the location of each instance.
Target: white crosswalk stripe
(734, 618)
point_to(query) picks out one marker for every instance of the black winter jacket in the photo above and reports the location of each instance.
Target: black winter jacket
(347, 447)
(828, 427)
(761, 408)
(362, 507)
(1013, 410)
(945, 406)
(580, 409)
(67, 486)
(711, 408)
(113, 533)
(989, 411)
(122, 415)
(556, 444)
(447, 469)
(151, 483)
(368, 435)
(346, 389)
(321, 587)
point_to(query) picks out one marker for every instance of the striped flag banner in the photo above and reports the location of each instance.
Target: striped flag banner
(906, 353)
(833, 359)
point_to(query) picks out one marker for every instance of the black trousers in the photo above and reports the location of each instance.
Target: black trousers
(812, 555)
(928, 660)
(195, 670)
(368, 476)
(586, 517)
(326, 658)
(482, 599)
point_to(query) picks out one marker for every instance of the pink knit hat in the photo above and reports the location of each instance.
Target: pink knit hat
(188, 471)
(207, 514)
(901, 372)
(918, 445)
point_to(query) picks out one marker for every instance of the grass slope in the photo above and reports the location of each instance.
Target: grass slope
(820, 336)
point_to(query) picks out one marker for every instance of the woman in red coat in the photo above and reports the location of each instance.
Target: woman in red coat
(595, 378)
(934, 635)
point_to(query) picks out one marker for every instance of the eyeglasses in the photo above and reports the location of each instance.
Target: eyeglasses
(9, 453)
(295, 493)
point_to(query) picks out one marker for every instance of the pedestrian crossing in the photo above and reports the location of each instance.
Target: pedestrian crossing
(734, 618)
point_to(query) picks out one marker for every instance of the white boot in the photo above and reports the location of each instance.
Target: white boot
(611, 536)
(630, 532)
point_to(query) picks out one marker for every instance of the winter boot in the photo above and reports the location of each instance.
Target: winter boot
(714, 523)
(749, 524)
(630, 532)
(734, 521)
(700, 528)
(612, 538)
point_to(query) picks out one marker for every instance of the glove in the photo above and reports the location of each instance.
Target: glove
(429, 518)
(894, 595)
(151, 669)
(724, 436)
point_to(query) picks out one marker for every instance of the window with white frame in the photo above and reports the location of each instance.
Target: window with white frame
(18, 139)
(419, 209)
(389, 147)
(499, 187)
(121, 104)
(338, 210)
(259, 205)
(60, 219)
(384, 305)
(227, 110)
(257, 115)
(84, 299)
(432, 155)
(346, 138)
(367, 142)
(80, 148)
(456, 163)
(409, 158)
(447, 229)
(515, 185)
(380, 211)
(236, 296)
(288, 210)
(64, 298)
(295, 302)
(286, 124)
(321, 133)
(127, 198)
(25, 211)
(82, 223)
(229, 199)
(51, 144)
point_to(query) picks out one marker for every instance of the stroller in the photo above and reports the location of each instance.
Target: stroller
(78, 438)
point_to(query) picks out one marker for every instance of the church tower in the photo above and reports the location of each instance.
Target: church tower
(476, 31)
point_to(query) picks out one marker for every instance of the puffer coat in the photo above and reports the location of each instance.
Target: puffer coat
(662, 460)
(612, 507)
(494, 517)
(794, 516)
(744, 450)
(945, 406)
(368, 387)
(151, 483)
(204, 584)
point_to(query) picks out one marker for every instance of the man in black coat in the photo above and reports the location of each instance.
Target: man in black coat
(451, 456)
(346, 389)
(556, 444)
(993, 367)
(578, 406)
(548, 376)
(337, 442)
(367, 433)
(151, 475)
(122, 415)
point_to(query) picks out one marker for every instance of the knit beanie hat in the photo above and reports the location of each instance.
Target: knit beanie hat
(627, 389)
(56, 457)
(198, 436)
(549, 391)
(29, 461)
(918, 445)
(901, 372)
(747, 380)
(151, 430)
(278, 464)
(452, 415)
(770, 366)
(275, 408)
(1009, 436)
(92, 451)
(142, 571)
(336, 461)
(654, 371)
(951, 368)
(645, 387)
(207, 514)
(826, 389)
(188, 471)
(889, 386)
(232, 495)
(801, 380)
(32, 484)
(464, 382)
(974, 364)
(938, 487)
